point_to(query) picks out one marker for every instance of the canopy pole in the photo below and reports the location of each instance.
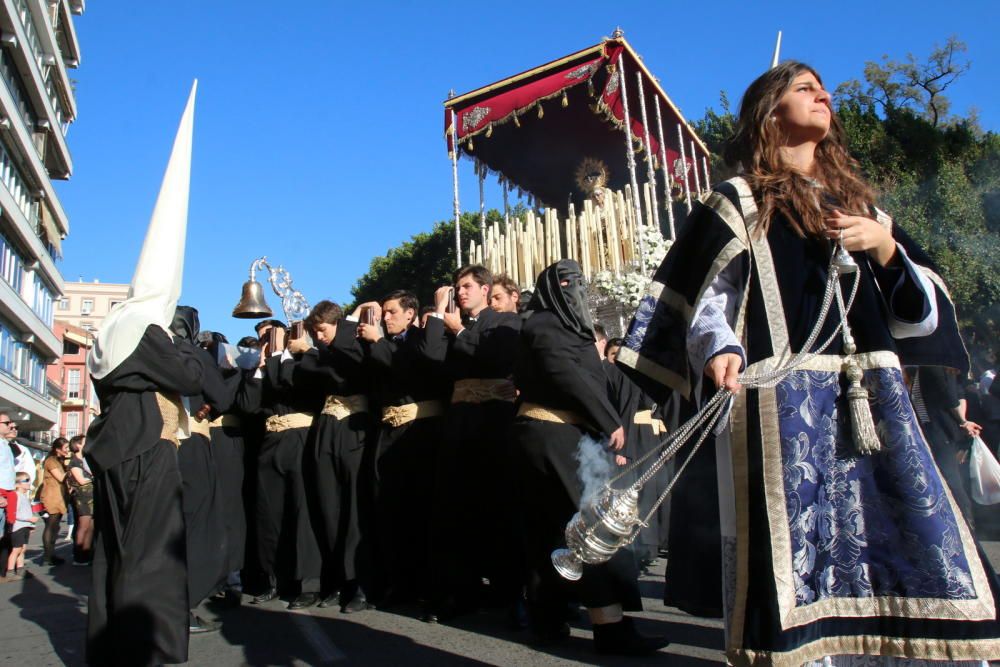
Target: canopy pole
(694, 165)
(481, 168)
(704, 166)
(669, 200)
(630, 153)
(650, 169)
(684, 161)
(454, 178)
(506, 205)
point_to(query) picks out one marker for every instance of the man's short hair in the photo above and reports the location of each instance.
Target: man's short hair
(248, 341)
(505, 282)
(615, 342)
(600, 332)
(406, 298)
(478, 272)
(324, 312)
(75, 443)
(274, 323)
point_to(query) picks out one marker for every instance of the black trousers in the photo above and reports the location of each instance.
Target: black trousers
(474, 519)
(338, 450)
(228, 456)
(547, 492)
(203, 518)
(285, 527)
(138, 607)
(404, 483)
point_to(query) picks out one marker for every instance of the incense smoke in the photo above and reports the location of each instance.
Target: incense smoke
(595, 468)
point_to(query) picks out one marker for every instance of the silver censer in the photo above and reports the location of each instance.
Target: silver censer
(597, 531)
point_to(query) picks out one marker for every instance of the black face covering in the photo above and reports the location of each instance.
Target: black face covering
(185, 324)
(569, 302)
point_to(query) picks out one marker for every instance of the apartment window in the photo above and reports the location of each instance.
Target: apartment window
(112, 304)
(64, 303)
(72, 424)
(11, 266)
(43, 300)
(73, 383)
(70, 348)
(87, 307)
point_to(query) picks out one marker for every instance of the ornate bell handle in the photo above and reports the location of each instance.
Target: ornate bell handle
(292, 301)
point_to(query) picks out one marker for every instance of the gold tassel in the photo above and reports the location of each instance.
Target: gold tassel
(517, 123)
(590, 87)
(862, 425)
(565, 100)
(469, 144)
(541, 112)
(489, 130)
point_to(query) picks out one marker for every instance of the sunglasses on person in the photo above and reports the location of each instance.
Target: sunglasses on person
(9, 423)
(23, 481)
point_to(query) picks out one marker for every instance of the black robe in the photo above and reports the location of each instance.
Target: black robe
(403, 373)
(559, 369)
(285, 525)
(474, 527)
(138, 607)
(336, 451)
(228, 454)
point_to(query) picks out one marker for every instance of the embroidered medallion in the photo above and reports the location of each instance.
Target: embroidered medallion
(581, 71)
(472, 119)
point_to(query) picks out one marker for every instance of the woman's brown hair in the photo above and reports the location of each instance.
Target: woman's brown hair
(780, 188)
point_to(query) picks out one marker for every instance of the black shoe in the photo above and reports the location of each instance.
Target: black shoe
(268, 595)
(517, 615)
(549, 633)
(331, 600)
(55, 560)
(304, 601)
(428, 616)
(621, 638)
(358, 603)
(199, 626)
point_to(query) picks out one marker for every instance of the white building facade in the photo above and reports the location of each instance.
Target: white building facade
(38, 46)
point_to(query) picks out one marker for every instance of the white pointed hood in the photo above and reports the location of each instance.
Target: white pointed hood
(156, 285)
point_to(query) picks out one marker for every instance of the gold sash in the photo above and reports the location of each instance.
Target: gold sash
(646, 417)
(202, 426)
(542, 413)
(397, 415)
(226, 421)
(341, 407)
(279, 423)
(481, 390)
(170, 410)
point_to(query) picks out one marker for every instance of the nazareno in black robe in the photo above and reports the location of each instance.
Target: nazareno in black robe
(138, 608)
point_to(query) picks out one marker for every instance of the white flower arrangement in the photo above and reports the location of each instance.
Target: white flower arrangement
(629, 287)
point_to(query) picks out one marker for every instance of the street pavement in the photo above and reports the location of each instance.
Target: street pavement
(43, 622)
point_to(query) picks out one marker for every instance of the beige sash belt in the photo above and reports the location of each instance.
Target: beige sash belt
(397, 415)
(646, 417)
(341, 407)
(279, 423)
(170, 410)
(202, 426)
(542, 413)
(481, 390)
(226, 421)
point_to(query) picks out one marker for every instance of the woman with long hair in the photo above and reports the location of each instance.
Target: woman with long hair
(81, 481)
(53, 497)
(839, 537)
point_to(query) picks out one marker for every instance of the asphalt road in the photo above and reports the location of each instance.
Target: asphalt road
(43, 622)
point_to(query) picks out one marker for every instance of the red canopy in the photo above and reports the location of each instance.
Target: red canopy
(536, 127)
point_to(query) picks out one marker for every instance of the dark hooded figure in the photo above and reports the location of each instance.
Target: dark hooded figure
(202, 494)
(563, 399)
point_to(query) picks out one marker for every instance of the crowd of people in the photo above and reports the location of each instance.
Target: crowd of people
(430, 459)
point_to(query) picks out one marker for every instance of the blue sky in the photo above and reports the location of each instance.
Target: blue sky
(318, 131)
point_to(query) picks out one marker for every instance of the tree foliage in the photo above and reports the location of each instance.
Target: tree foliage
(422, 264)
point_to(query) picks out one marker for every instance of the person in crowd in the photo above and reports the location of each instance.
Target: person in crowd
(53, 497)
(411, 390)
(474, 525)
(839, 536)
(941, 413)
(285, 528)
(611, 349)
(504, 295)
(335, 369)
(81, 484)
(228, 454)
(24, 522)
(564, 399)
(201, 490)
